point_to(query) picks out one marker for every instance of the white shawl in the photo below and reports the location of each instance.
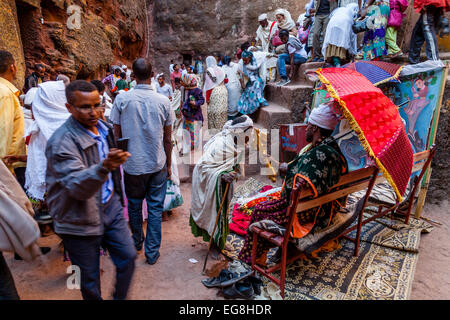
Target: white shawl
(50, 112)
(214, 77)
(218, 156)
(264, 35)
(339, 30)
(287, 22)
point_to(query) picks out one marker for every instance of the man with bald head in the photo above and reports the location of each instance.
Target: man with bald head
(145, 118)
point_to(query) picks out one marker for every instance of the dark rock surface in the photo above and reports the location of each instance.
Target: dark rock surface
(195, 27)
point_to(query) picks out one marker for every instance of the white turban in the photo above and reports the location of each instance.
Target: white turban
(323, 117)
(159, 75)
(262, 17)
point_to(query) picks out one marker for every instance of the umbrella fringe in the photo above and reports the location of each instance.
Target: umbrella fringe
(394, 77)
(354, 124)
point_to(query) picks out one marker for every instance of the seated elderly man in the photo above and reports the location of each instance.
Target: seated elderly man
(265, 32)
(217, 167)
(318, 167)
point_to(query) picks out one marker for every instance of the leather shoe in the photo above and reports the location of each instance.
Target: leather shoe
(239, 290)
(154, 261)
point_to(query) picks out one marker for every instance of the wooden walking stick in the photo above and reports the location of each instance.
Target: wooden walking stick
(215, 226)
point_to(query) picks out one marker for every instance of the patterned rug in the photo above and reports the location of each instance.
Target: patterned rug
(383, 270)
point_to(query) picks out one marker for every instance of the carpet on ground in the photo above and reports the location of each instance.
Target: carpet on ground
(384, 268)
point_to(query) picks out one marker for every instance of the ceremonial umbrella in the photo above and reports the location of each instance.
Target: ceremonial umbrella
(376, 121)
(377, 72)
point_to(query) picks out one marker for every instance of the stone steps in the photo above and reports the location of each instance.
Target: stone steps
(300, 76)
(292, 97)
(287, 103)
(272, 116)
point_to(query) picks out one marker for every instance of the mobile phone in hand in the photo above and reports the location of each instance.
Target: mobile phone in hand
(122, 144)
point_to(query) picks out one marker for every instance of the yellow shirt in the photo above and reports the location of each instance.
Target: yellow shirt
(12, 140)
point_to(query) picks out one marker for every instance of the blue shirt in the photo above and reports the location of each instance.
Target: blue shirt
(142, 114)
(199, 67)
(165, 90)
(103, 150)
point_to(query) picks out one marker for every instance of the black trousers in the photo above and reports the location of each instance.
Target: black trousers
(425, 31)
(8, 289)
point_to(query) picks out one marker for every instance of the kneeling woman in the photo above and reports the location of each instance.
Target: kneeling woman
(340, 40)
(252, 97)
(319, 166)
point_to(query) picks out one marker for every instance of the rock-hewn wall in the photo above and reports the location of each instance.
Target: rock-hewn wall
(203, 26)
(110, 32)
(10, 37)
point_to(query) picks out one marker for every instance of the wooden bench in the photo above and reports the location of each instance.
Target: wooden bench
(421, 163)
(355, 181)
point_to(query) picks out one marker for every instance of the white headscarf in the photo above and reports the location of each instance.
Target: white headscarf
(50, 112)
(287, 23)
(323, 117)
(229, 128)
(214, 77)
(339, 30)
(211, 62)
(262, 17)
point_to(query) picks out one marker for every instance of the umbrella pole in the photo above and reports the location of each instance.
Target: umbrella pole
(215, 226)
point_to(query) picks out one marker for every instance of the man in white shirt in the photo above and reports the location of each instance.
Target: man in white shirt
(265, 32)
(127, 72)
(296, 55)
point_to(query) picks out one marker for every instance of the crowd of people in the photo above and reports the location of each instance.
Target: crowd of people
(84, 155)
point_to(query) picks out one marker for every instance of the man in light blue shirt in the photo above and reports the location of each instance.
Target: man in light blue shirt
(162, 87)
(145, 118)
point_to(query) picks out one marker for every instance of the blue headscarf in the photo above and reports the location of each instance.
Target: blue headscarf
(247, 54)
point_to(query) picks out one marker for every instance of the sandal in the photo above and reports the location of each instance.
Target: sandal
(239, 290)
(224, 275)
(225, 279)
(235, 278)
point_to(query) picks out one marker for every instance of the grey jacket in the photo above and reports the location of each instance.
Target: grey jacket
(74, 180)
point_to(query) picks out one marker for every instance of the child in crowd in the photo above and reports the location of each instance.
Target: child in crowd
(121, 84)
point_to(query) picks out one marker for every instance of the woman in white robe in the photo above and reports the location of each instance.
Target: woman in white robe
(49, 112)
(234, 88)
(340, 40)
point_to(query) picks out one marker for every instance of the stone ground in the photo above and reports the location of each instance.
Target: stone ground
(174, 277)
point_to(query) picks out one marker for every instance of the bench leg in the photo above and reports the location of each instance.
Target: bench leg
(283, 268)
(255, 243)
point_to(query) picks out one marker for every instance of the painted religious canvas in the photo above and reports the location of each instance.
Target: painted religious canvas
(417, 96)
